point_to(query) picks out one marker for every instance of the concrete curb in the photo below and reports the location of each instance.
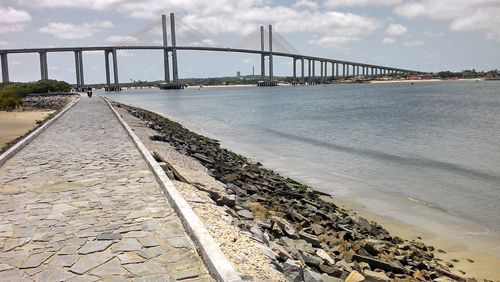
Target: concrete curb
(27, 139)
(218, 265)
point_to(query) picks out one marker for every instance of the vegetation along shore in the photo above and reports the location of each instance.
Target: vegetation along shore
(302, 232)
(26, 106)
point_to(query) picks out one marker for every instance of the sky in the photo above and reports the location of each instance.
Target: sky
(424, 35)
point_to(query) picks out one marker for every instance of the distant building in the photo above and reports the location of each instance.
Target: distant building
(238, 75)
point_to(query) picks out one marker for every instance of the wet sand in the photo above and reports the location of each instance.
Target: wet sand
(16, 124)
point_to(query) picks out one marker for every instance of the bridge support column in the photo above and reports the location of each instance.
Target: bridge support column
(262, 57)
(106, 63)
(77, 69)
(325, 76)
(309, 70)
(321, 71)
(44, 73)
(302, 70)
(175, 74)
(166, 67)
(270, 53)
(115, 69)
(80, 60)
(294, 69)
(5, 67)
(314, 70)
(337, 71)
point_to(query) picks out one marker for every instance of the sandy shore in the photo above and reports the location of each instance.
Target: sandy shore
(15, 124)
(423, 80)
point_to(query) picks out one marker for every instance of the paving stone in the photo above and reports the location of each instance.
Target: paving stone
(109, 236)
(65, 260)
(54, 274)
(69, 250)
(135, 234)
(84, 278)
(145, 268)
(87, 262)
(153, 278)
(94, 246)
(35, 270)
(36, 259)
(12, 243)
(179, 242)
(112, 267)
(4, 267)
(148, 241)
(6, 227)
(130, 257)
(128, 244)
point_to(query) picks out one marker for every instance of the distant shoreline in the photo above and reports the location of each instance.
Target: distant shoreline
(424, 80)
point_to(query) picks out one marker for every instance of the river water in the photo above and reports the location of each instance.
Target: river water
(436, 144)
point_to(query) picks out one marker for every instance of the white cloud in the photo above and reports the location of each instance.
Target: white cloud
(433, 34)
(3, 43)
(306, 4)
(12, 20)
(396, 30)
(243, 16)
(362, 3)
(74, 31)
(388, 40)
(462, 15)
(413, 43)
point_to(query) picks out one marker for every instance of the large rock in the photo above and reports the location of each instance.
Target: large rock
(284, 226)
(293, 270)
(376, 263)
(310, 239)
(325, 256)
(354, 276)
(312, 276)
(311, 260)
(245, 214)
(372, 276)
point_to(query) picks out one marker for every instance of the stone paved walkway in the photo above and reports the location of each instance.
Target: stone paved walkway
(80, 204)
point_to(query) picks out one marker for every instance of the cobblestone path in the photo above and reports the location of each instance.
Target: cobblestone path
(80, 204)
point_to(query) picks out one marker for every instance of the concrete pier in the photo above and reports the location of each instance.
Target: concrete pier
(270, 53)
(5, 67)
(44, 72)
(166, 66)
(262, 57)
(106, 63)
(115, 68)
(302, 70)
(175, 73)
(77, 69)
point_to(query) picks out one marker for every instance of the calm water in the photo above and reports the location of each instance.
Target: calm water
(436, 143)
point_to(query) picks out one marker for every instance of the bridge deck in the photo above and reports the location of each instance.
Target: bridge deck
(80, 202)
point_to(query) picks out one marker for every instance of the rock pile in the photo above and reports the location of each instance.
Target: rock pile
(47, 101)
(308, 237)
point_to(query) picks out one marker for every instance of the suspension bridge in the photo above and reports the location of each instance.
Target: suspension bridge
(184, 37)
